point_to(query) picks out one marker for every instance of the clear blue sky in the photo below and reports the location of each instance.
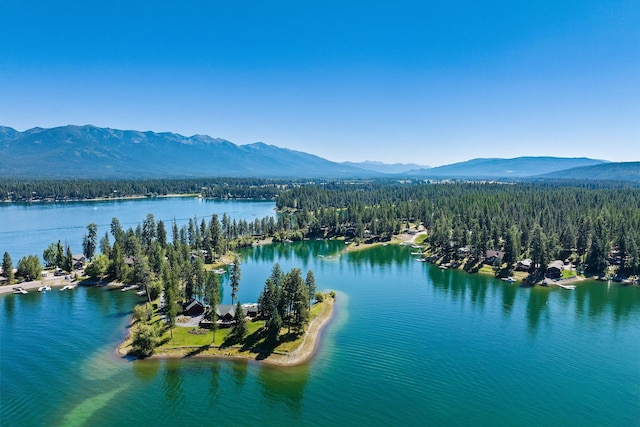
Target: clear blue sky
(430, 82)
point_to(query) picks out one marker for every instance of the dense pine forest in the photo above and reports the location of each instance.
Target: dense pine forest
(594, 225)
(16, 190)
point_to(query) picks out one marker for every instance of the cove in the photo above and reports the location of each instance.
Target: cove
(409, 344)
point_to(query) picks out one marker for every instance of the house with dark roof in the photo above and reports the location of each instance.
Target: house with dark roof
(524, 265)
(554, 269)
(78, 261)
(193, 308)
(491, 255)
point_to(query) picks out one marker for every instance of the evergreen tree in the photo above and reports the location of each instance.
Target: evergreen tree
(59, 255)
(234, 278)
(7, 268)
(117, 262)
(240, 323)
(105, 246)
(273, 326)
(89, 242)
(310, 282)
(161, 234)
(211, 298)
(68, 260)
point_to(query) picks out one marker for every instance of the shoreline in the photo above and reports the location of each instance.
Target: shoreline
(56, 282)
(302, 354)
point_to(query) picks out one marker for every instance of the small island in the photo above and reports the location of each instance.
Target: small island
(291, 348)
(281, 329)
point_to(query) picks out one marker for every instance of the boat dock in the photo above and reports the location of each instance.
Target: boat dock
(564, 286)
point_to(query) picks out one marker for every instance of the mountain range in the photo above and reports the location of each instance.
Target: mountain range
(91, 152)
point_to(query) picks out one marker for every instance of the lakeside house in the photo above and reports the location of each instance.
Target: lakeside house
(193, 308)
(79, 261)
(555, 269)
(524, 265)
(492, 255)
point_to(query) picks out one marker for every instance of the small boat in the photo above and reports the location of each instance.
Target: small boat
(141, 293)
(421, 260)
(219, 271)
(509, 279)
(416, 246)
(19, 290)
(416, 253)
(66, 288)
(443, 267)
(44, 288)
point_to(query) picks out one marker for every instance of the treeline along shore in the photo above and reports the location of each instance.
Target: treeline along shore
(592, 225)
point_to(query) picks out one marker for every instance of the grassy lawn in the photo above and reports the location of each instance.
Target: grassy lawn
(185, 337)
(420, 239)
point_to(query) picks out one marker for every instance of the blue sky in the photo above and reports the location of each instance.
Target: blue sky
(430, 82)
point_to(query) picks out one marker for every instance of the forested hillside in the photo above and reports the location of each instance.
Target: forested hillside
(593, 225)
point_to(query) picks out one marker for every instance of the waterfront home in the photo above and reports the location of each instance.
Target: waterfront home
(78, 261)
(554, 269)
(524, 265)
(193, 308)
(225, 312)
(492, 255)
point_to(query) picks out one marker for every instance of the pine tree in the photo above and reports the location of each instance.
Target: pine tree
(89, 242)
(7, 267)
(68, 260)
(234, 278)
(310, 282)
(240, 324)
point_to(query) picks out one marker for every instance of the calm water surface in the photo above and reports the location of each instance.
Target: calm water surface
(28, 228)
(409, 345)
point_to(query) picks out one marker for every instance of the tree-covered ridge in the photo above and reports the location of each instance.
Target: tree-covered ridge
(594, 224)
(16, 190)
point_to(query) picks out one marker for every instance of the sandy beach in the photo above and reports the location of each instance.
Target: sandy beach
(53, 281)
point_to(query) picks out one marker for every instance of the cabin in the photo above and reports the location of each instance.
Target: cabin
(492, 255)
(250, 310)
(226, 312)
(463, 252)
(193, 308)
(554, 269)
(524, 265)
(129, 261)
(78, 261)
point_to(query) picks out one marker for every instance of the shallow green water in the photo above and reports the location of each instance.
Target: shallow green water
(409, 345)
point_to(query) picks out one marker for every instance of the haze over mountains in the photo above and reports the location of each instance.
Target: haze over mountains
(91, 152)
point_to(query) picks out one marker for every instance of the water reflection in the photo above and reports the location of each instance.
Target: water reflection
(239, 372)
(172, 384)
(302, 252)
(214, 381)
(146, 370)
(286, 385)
(508, 299)
(536, 306)
(8, 307)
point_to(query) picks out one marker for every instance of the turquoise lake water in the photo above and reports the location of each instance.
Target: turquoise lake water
(409, 345)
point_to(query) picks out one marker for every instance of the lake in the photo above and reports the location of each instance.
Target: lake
(29, 228)
(409, 345)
